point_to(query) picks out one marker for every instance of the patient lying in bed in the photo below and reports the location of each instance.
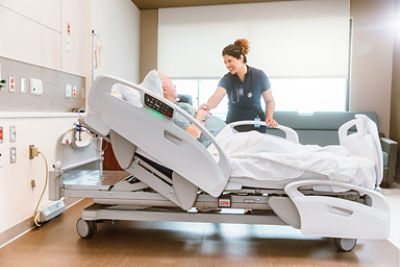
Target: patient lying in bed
(213, 124)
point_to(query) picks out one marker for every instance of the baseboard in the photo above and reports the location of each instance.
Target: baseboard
(27, 225)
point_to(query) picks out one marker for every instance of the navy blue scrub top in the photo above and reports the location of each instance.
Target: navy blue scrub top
(244, 97)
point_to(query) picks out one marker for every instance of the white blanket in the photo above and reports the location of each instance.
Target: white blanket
(267, 157)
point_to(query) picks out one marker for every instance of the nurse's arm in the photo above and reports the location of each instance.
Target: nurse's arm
(215, 99)
(270, 104)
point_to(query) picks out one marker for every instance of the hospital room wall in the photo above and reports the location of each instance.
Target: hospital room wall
(117, 24)
(372, 58)
(35, 32)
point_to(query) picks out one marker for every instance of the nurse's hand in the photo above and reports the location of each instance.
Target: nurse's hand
(201, 113)
(205, 107)
(271, 122)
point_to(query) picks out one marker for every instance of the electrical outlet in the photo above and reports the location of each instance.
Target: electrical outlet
(36, 86)
(13, 134)
(13, 155)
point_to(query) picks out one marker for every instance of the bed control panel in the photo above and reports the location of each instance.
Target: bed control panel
(158, 106)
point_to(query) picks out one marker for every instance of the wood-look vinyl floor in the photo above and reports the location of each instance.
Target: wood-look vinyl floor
(184, 244)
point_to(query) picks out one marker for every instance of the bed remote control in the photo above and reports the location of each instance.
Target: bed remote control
(158, 106)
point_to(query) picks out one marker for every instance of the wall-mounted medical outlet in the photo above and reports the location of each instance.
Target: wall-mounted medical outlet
(13, 155)
(13, 133)
(36, 87)
(68, 44)
(1, 134)
(2, 81)
(68, 90)
(11, 84)
(23, 85)
(1, 158)
(74, 91)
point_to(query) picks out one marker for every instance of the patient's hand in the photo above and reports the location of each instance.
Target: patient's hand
(201, 114)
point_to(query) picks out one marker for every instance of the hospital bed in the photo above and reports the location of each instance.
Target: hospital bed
(170, 176)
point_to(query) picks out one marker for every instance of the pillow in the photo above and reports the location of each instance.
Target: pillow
(152, 82)
(126, 93)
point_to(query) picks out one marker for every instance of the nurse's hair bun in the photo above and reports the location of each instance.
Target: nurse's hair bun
(244, 45)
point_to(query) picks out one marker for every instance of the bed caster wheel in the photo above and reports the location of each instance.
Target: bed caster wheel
(86, 229)
(345, 244)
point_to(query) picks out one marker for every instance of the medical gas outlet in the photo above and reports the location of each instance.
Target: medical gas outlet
(2, 83)
(11, 84)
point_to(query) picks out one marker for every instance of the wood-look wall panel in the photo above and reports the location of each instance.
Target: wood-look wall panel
(148, 41)
(395, 97)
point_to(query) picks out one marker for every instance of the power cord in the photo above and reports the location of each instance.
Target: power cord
(33, 152)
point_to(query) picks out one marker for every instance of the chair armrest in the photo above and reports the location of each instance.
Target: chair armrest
(390, 147)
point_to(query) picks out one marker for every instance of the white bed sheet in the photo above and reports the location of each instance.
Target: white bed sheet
(274, 161)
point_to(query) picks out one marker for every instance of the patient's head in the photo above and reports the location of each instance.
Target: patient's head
(169, 89)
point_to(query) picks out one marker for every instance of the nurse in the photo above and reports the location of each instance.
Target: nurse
(244, 86)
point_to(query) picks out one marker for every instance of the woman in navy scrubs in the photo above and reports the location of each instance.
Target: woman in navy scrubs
(244, 86)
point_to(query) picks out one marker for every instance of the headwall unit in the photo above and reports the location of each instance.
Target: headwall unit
(32, 88)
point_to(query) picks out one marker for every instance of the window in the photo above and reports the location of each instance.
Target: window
(310, 94)
(290, 94)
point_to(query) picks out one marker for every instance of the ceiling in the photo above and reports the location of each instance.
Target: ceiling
(153, 4)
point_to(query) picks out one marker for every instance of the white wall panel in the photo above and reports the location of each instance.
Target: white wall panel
(46, 12)
(28, 41)
(118, 25)
(76, 13)
(17, 198)
(287, 39)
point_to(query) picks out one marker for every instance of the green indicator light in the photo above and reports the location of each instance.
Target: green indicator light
(155, 113)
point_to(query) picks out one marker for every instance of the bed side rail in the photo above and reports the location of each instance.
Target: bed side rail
(337, 217)
(291, 134)
(159, 136)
